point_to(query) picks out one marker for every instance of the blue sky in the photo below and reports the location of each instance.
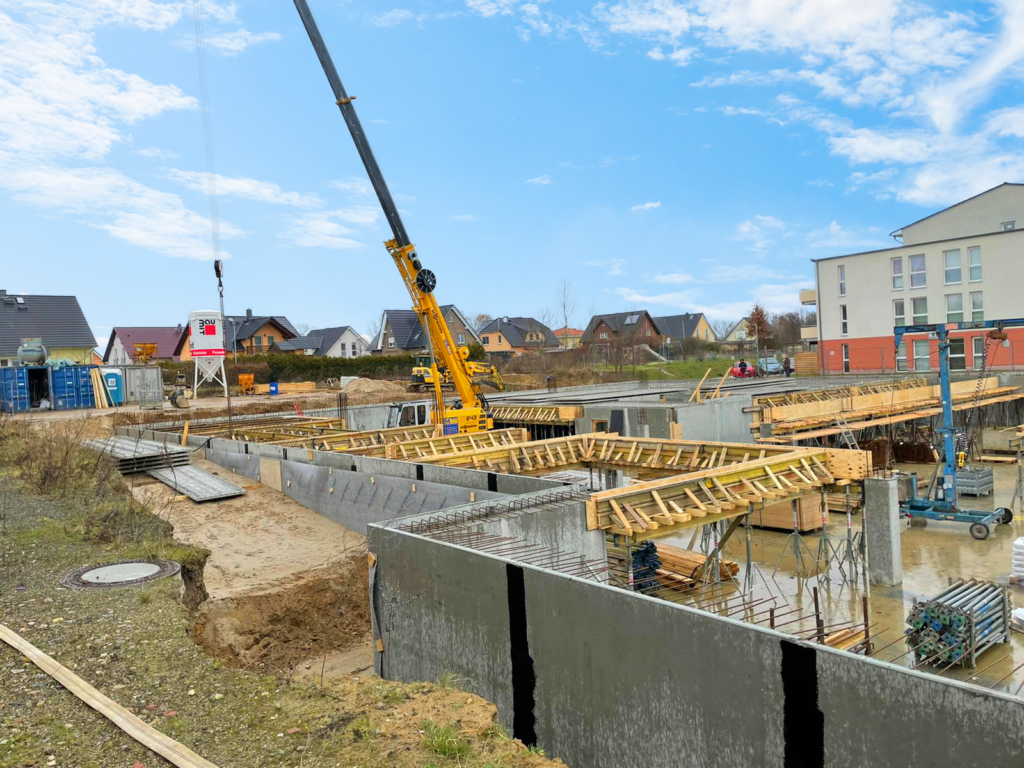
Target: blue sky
(660, 154)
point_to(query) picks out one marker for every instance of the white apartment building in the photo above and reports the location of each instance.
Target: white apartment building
(964, 263)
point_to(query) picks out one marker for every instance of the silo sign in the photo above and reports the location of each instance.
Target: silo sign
(207, 333)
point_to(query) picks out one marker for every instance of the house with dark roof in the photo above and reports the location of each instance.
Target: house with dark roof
(247, 334)
(510, 336)
(678, 328)
(604, 333)
(740, 332)
(401, 332)
(57, 320)
(121, 345)
(342, 341)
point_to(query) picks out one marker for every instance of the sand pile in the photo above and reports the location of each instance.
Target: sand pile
(375, 391)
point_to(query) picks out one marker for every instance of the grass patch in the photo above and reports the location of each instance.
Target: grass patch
(445, 740)
(449, 681)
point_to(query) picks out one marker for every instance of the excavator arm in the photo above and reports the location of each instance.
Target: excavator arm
(420, 282)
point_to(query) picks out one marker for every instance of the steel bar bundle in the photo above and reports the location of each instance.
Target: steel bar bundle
(960, 623)
(134, 456)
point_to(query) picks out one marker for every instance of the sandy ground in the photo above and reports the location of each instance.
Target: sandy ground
(932, 556)
(258, 542)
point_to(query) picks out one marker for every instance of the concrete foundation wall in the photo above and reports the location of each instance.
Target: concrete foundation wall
(653, 422)
(612, 679)
(720, 420)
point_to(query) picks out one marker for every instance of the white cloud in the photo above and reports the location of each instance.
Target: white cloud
(647, 206)
(465, 217)
(674, 278)
(65, 109)
(835, 237)
(250, 189)
(234, 42)
(108, 200)
(616, 266)
(545, 179)
(756, 231)
(491, 7)
(392, 18)
(662, 20)
(775, 297)
(328, 229)
(356, 186)
(820, 183)
(382, 122)
(161, 154)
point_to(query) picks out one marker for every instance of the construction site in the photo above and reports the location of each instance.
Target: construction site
(729, 570)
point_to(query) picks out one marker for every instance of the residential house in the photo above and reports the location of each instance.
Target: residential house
(342, 341)
(740, 332)
(57, 320)
(510, 336)
(569, 338)
(402, 334)
(247, 334)
(679, 328)
(121, 345)
(960, 264)
(621, 330)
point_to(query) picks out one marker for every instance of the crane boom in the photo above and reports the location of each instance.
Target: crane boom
(472, 416)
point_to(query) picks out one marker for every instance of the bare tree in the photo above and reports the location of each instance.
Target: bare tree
(373, 328)
(722, 328)
(565, 302)
(303, 328)
(546, 318)
(480, 321)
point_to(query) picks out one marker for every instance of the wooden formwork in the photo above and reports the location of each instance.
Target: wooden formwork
(417, 450)
(536, 414)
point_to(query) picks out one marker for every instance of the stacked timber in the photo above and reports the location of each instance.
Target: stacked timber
(846, 639)
(677, 562)
(780, 515)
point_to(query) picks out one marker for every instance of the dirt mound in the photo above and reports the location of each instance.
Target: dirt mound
(277, 630)
(375, 391)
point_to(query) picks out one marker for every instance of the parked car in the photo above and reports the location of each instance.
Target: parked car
(770, 366)
(737, 373)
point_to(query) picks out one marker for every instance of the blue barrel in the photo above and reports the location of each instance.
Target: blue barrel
(273, 388)
(114, 379)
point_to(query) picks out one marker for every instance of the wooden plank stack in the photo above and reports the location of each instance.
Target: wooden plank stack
(780, 516)
(676, 561)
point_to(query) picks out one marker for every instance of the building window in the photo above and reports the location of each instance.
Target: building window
(897, 273)
(499, 338)
(487, 339)
(604, 335)
(978, 343)
(899, 312)
(957, 358)
(352, 352)
(919, 307)
(922, 355)
(1009, 226)
(952, 258)
(462, 338)
(954, 307)
(977, 306)
(846, 358)
(391, 342)
(843, 324)
(270, 340)
(901, 356)
(842, 279)
(918, 278)
(974, 261)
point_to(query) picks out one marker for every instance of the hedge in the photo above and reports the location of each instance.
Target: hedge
(267, 368)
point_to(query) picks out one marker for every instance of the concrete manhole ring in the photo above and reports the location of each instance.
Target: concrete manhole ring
(120, 574)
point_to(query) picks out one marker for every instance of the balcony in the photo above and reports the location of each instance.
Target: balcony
(809, 297)
(808, 333)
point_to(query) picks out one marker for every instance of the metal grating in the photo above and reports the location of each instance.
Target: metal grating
(134, 456)
(196, 483)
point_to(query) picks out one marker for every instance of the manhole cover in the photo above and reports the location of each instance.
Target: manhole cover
(119, 574)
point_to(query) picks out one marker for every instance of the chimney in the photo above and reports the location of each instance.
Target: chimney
(248, 314)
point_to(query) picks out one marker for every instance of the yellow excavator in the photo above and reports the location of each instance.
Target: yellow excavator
(470, 413)
(481, 373)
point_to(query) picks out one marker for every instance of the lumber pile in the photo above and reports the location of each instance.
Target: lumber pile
(678, 562)
(846, 639)
(806, 363)
(286, 388)
(100, 391)
(780, 515)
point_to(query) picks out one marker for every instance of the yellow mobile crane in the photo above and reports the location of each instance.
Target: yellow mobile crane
(471, 414)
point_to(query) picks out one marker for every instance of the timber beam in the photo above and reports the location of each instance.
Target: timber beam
(536, 414)
(416, 450)
(721, 493)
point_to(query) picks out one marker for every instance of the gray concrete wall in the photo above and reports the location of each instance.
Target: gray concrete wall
(882, 529)
(657, 417)
(563, 527)
(720, 420)
(625, 680)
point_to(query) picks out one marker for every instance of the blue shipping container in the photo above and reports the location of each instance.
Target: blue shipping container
(14, 390)
(86, 392)
(64, 389)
